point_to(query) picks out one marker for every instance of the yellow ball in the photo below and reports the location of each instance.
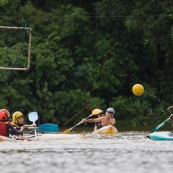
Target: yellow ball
(138, 89)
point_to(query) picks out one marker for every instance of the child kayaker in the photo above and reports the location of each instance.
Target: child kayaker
(5, 125)
(18, 120)
(18, 123)
(104, 120)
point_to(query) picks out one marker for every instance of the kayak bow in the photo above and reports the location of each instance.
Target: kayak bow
(161, 136)
(106, 130)
(3, 139)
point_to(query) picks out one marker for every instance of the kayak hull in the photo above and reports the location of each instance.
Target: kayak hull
(161, 136)
(104, 130)
(107, 130)
(45, 137)
(59, 136)
(3, 139)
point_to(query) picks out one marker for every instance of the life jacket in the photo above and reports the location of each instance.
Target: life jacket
(3, 128)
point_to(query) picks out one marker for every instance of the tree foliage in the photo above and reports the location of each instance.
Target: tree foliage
(90, 54)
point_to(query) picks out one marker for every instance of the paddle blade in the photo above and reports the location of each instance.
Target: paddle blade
(48, 127)
(66, 131)
(154, 129)
(33, 116)
(96, 111)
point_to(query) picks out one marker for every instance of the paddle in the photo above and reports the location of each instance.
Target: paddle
(33, 117)
(47, 128)
(94, 112)
(160, 125)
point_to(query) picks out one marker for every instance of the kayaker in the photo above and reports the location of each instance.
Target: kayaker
(171, 116)
(104, 120)
(18, 123)
(5, 125)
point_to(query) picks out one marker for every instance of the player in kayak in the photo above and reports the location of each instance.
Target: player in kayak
(18, 123)
(106, 120)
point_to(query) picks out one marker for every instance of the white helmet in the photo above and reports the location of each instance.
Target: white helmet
(110, 110)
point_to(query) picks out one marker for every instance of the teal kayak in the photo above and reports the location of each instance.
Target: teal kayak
(161, 136)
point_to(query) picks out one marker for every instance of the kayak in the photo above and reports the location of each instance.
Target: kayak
(161, 136)
(49, 136)
(104, 130)
(107, 130)
(45, 137)
(3, 138)
(59, 136)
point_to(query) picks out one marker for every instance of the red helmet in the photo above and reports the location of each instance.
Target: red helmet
(4, 115)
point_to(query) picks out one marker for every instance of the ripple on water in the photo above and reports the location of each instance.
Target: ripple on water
(125, 152)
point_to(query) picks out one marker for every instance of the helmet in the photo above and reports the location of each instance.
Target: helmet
(5, 111)
(16, 115)
(110, 110)
(4, 115)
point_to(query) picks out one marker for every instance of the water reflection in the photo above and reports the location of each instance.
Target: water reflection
(125, 152)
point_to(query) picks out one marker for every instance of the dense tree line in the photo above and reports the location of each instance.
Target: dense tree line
(89, 54)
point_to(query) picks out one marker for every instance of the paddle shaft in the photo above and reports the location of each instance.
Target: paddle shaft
(160, 125)
(80, 122)
(94, 112)
(33, 116)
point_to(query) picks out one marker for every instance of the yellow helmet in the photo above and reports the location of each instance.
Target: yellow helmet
(16, 115)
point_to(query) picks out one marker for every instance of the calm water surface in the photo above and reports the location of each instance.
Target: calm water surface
(125, 152)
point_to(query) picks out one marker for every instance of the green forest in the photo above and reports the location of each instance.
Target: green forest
(89, 54)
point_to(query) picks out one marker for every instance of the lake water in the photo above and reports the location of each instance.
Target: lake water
(126, 152)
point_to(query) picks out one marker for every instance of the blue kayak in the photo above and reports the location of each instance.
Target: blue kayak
(161, 136)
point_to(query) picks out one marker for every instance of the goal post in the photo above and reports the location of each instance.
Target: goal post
(15, 48)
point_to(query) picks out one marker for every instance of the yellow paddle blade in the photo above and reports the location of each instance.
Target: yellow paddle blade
(96, 111)
(66, 131)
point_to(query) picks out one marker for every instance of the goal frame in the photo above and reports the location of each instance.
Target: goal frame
(29, 48)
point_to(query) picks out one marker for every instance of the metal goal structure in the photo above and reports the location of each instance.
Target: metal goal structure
(15, 48)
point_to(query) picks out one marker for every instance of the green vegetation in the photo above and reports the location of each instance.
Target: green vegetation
(89, 54)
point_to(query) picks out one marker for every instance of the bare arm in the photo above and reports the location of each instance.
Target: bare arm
(32, 125)
(112, 121)
(92, 120)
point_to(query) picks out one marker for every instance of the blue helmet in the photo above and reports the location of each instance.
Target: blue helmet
(110, 110)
